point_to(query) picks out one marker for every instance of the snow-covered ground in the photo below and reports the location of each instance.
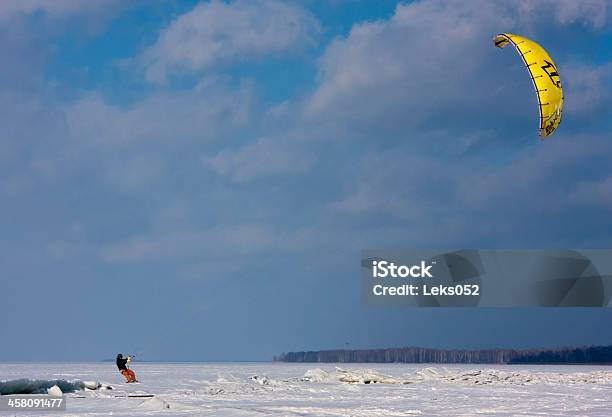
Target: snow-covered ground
(277, 389)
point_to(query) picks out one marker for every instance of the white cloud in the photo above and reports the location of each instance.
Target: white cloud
(586, 88)
(412, 68)
(218, 242)
(206, 112)
(396, 185)
(263, 158)
(90, 16)
(539, 179)
(55, 8)
(587, 12)
(217, 33)
(126, 146)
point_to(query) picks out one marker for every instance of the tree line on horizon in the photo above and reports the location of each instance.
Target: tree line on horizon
(562, 355)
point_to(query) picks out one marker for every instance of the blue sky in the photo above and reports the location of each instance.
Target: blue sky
(196, 180)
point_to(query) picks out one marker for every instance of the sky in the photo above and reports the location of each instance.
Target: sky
(196, 180)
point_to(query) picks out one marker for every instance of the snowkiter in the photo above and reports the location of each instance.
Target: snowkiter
(122, 364)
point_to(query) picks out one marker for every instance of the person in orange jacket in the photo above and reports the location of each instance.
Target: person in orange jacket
(122, 364)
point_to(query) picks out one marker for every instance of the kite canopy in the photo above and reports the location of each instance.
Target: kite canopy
(545, 77)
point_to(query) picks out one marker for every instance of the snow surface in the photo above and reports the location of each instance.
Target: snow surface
(368, 390)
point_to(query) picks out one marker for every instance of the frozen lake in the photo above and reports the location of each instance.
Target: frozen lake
(228, 389)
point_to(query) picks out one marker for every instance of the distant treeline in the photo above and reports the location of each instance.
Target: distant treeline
(586, 354)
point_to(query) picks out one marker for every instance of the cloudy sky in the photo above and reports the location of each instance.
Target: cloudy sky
(195, 181)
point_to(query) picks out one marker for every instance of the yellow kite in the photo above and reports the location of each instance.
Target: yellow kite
(545, 77)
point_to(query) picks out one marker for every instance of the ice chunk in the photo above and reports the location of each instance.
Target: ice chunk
(91, 385)
(37, 386)
(364, 376)
(55, 391)
(263, 380)
(315, 375)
